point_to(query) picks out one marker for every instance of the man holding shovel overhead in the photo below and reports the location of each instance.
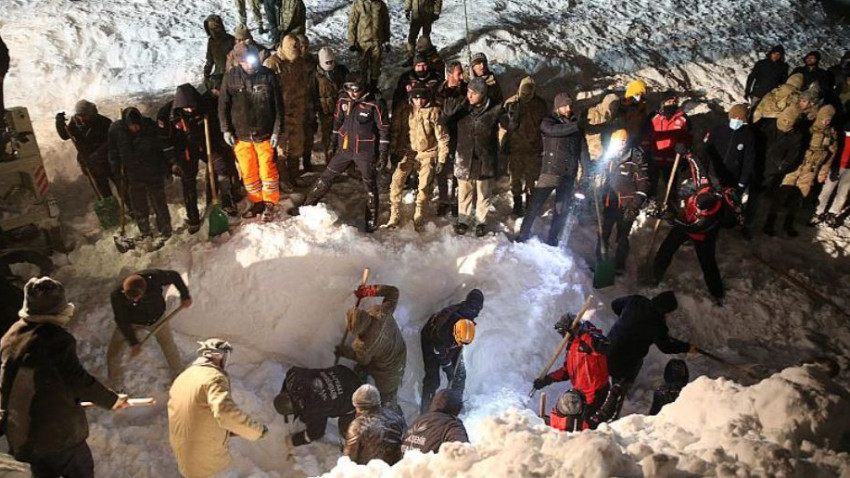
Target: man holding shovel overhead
(138, 303)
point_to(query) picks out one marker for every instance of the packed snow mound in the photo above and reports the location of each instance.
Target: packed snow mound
(786, 425)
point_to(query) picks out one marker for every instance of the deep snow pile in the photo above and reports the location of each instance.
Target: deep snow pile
(715, 428)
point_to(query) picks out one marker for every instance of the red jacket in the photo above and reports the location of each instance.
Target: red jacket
(585, 366)
(666, 133)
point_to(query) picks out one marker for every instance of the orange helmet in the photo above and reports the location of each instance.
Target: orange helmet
(464, 331)
(620, 135)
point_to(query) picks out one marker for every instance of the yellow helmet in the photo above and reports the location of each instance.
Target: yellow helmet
(464, 331)
(620, 135)
(635, 88)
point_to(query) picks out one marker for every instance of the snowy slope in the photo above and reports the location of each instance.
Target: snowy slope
(279, 292)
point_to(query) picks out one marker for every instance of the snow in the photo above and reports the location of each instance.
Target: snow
(279, 291)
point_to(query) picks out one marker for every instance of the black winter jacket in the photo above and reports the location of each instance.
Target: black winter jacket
(152, 305)
(564, 146)
(188, 137)
(139, 155)
(41, 386)
(627, 184)
(765, 76)
(91, 139)
(477, 154)
(638, 327)
(319, 394)
(251, 106)
(448, 95)
(732, 154)
(4, 58)
(361, 126)
(440, 425)
(409, 80)
(784, 154)
(375, 435)
(438, 331)
(217, 48)
(817, 75)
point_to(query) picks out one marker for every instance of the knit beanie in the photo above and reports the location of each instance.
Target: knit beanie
(366, 396)
(43, 296)
(563, 99)
(85, 107)
(479, 58)
(242, 32)
(478, 85)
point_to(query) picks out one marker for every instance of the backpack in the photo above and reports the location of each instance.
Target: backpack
(587, 363)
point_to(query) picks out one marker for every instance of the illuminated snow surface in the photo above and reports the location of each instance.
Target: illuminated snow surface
(279, 291)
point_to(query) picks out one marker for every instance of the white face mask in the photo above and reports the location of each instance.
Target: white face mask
(735, 124)
(637, 97)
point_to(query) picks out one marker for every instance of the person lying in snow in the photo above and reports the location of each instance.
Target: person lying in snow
(313, 396)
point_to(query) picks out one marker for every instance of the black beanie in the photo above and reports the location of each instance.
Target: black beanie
(665, 302)
(43, 296)
(475, 298)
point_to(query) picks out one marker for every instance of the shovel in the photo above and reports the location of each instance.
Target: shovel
(603, 273)
(106, 209)
(217, 217)
(122, 242)
(646, 274)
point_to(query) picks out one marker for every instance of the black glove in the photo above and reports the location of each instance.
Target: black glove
(681, 149)
(438, 169)
(407, 14)
(387, 47)
(436, 17)
(542, 382)
(383, 159)
(60, 117)
(630, 213)
(833, 174)
(354, 47)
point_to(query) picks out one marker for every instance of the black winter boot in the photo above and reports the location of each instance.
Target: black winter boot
(518, 209)
(816, 220)
(461, 228)
(317, 193)
(255, 210)
(789, 226)
(770, 225)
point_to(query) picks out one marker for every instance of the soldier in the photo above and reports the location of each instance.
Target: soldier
(291, 71)
(255, 9)
(481, 69)
(522, 142)
(325, 86)
(369, 35)
(219, 44)
(421, 13)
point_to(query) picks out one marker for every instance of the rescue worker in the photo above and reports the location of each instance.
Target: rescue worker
(136, 155)
(138, 303)
(570, 413)
(89, 131)
(250, 110)
(422, 76)
(376, 432)
(311, 63)
(564, 148)
(361, 133)
(202, 415)
(439, 425)
(243, 36)
(602, 120)
(325, 86)
(669, 127)
(291, 72)
(421, 14)
(429, 51)
(823, 144)
(675, 378)
(835, 176)
(780, 98)
(783, 156)
(640, 324)
(477, 164)
(634, 113)
(443, 337)
(623, 194)
(522, 142)
(454, 89)
(585, 364)
(767, 74)
(813, 74)
(315, 395)
(378, 347)
(188, 139)
(42, 383)
(369, 36)
(427, 153)
(285, 17)
(481, 69)
(219, 44)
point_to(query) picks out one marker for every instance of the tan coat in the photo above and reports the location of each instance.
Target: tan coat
(293, 74)
(816, 162)
(602, 120)
(428, 138)
(779, 99)
(201, 418)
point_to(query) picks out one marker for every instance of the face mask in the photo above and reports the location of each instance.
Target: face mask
(669, 110)
(637, 98)
(735, 124)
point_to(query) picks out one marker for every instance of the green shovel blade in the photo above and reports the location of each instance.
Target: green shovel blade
(218, 221)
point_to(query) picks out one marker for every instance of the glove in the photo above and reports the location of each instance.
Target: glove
(229, 139)
(407, 14)
(542, 382)
(387, 47)
(630, 213)
(354, 47)
(438, 169)
(436, 17)
(274, 141)
(366, 291)
(60, 117)
(681, 149)
(383, 159)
